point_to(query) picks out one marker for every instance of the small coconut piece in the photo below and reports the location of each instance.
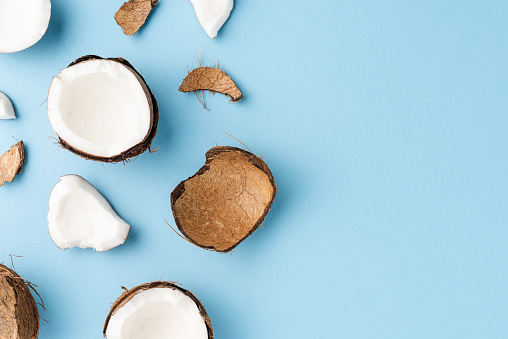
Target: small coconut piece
(102, 109)
(22, 23)
(6, 108)
(225, 201)
(158, 310)
(212, 14)
(79, 216)
(132, 15)
(211, 79)
(19, 317)
(11, 163)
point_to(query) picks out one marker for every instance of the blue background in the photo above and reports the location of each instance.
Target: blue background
(385, 125)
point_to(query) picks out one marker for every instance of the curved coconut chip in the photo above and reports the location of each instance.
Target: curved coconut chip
(133, 14)
(20, 317)
(225, 201)
(211, 79)
(11, 163)
(129, 294)
(154, 118)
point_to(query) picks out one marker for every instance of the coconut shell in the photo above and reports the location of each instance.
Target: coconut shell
(19, 318)
(154, 118)
(132, 15)
(129, 294)
(225, 201)
(11, 163)
(211, 79)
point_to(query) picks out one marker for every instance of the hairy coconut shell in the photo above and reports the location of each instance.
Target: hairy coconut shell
(211, 79)
(19, 318)
(129, 294)
(11, 163)
(154, 118)
(225, 201)
(133, 14)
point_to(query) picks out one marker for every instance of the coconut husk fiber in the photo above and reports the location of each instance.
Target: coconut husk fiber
(133, 14)
(19, 318)
(11, 163)
(225, 201)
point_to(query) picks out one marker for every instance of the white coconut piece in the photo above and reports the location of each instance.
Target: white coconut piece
(158, 313)
(22, 23)
(212, 14)
(6, 108)
(79, 216)
(100, 107)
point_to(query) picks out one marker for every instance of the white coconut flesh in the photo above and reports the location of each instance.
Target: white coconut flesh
(6, 108)
(79, 216)
(158, 313)
(99, 107)
(22, 23)
(212, 14)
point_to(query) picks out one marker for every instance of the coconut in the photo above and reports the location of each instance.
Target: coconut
(102, 109)
(133, 14)
(6, 109)
(212, 14)
(22, 23)
(225, 201)
(158, 310)
(19, 318)
(11, 163)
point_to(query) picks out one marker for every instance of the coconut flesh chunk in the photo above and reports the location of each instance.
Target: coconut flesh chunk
(6, 108)
(79, 216)
(212, 14)
(160, 312)
(101, 109)
(22, 23)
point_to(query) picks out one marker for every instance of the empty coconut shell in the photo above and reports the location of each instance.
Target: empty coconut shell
(19, 318)
(225, 201)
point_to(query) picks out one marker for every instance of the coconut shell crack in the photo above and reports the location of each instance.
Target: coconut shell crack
(133, 14)
(211, 79)
(11, 163)
(225, 201)
(19, 317)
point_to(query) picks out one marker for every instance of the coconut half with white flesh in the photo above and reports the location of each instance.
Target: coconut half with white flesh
(79, 216)
(212, 14)
(22, 23)
(158, 310)
(6, 108)
(102, 109)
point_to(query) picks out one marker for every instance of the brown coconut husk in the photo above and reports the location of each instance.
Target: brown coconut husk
(154, 118)
(225, 201)
(129, 294)
(133, 14)
(11, 163)
(19, 317)
(211, 79)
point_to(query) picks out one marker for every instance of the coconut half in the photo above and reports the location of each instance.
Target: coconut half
(79, 216)
(102, 109)
(19, 317)
(6, 108)
(212, 14)
(158, 310)
(22, 23)
(225, 201)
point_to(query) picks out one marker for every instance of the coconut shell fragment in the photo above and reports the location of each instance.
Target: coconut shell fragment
(19, 317)
(133, 14)
(211, 79)
(11, 163)
(225, 201)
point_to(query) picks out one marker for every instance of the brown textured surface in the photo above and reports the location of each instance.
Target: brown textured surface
(129, 294)
(19, 318)
(11, 163)
(154, 118)
(225, 201)
(213, 80)
(132, 15)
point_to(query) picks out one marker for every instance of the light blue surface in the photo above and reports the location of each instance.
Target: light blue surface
(385, 125)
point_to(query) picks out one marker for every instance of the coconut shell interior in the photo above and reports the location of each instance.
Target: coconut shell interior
(154, 118)
(128, 295)
(19, 316)
(225, 201)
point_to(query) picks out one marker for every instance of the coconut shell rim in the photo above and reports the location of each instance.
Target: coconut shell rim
(129, 294)
(137, 149)
(210, 155)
